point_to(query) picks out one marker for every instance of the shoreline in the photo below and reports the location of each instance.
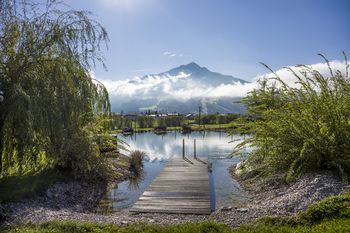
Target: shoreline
(265, 199)
(177, 129)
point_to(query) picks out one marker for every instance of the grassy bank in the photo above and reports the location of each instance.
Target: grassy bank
(14, 188)
(338, 225)
(329, 215)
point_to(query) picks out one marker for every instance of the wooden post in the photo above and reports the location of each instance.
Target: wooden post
(194, 149)
(183, 148)
(199, 115)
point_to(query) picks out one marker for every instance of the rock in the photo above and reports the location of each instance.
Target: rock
(242, 210)
(75, 202)
(240, 167)
(2, 214)
(226, 208)
(151, 221)
(49, 194)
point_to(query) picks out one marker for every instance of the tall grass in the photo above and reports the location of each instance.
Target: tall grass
(300, 128)
(136, 161)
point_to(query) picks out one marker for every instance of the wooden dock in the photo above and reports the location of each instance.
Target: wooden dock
(182, 188)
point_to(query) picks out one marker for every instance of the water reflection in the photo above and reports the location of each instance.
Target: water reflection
(160, 148)
(135, 180)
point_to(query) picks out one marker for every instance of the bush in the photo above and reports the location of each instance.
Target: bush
(326, 212)
(300, 128)
(329, 208)
(136, 161)
(186, 128)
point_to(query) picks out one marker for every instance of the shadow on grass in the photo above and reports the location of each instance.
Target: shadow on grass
(14, 188)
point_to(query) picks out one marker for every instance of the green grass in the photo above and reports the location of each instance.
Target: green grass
(337, 225)
(17, 187)
(212, 126)
(174, 128)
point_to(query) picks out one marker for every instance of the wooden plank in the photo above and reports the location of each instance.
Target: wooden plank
(177, 194)
(182, 188)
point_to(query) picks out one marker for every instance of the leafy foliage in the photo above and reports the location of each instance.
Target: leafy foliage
(52, 108)
(302, 127)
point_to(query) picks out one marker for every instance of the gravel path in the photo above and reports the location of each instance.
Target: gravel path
(76, 200)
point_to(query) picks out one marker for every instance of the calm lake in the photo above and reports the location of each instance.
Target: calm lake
(160, 149)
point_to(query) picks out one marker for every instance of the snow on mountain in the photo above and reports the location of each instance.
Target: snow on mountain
(184, 88)
(180, 89)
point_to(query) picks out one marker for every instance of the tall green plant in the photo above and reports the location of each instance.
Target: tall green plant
(51, 102)
(300, 128)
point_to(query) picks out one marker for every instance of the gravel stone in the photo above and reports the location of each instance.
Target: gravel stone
(76, 201)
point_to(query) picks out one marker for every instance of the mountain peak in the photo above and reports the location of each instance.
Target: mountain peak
(192, 65)
(192, 68)
(199, 74)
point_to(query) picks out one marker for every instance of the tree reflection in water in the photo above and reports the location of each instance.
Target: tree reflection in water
(136, 179)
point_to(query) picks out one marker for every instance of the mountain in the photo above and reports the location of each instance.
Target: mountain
(181, 89)
(203, 75)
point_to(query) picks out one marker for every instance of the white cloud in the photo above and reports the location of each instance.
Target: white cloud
(289, 78)
(167, 86)
(172, 54)
(182, 87)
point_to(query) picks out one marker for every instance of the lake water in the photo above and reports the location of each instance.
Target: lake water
(160, 149)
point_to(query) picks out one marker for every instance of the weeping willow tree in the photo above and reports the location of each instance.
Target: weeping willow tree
(300, 128)
(52, 108)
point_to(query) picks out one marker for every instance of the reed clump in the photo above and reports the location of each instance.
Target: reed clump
(136, 161)
(302, 127)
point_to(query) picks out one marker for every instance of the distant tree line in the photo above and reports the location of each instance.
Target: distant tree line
(217, 118)
(146, 121)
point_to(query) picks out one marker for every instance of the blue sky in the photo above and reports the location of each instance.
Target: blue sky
(227, 36)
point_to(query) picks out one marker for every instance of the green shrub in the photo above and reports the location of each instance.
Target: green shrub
(301, 128)
(329, 208)
(186, 128)
(136, 161)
